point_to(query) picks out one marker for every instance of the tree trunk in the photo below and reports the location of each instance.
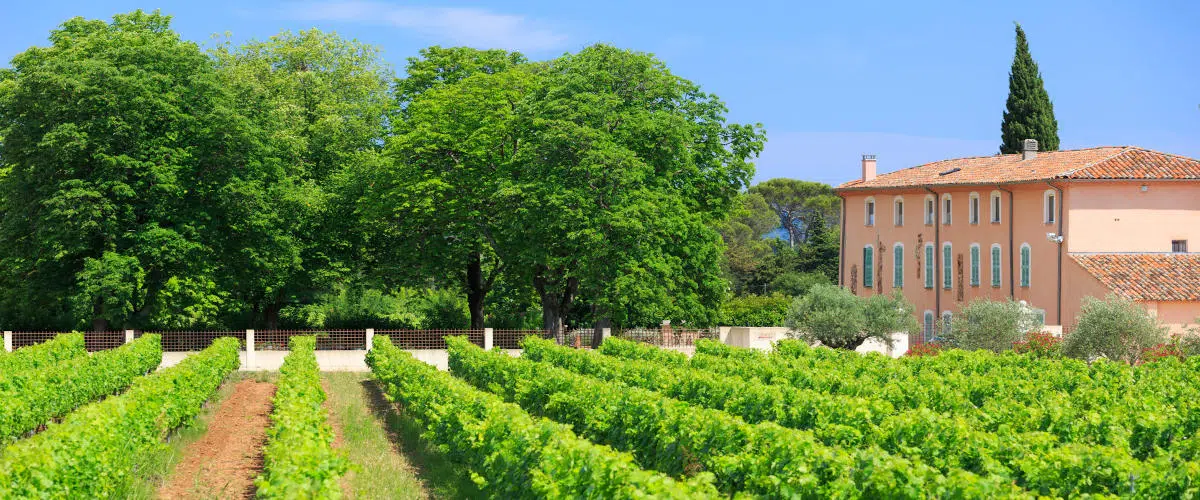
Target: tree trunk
(555, 303)
(551, 316)
(99, 324)
(475, 290)
(271, 315)
(598, 331)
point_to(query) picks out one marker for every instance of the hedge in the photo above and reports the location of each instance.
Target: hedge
(508, 452)
(92, 452)
(59, 348)
(299, 460)
(33, 397)
(680, 439)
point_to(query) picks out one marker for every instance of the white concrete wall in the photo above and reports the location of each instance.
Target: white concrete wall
(755, 337)
(329, 361)
(899, 346)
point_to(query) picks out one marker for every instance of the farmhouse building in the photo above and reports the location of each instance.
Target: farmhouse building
(1048, 228)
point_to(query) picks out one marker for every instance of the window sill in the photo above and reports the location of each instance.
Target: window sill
(995, 222)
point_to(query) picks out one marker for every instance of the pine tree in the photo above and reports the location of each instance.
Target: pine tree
(1028, 113)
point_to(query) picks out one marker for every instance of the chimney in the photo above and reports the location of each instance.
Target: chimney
(1029, 149)
(868, 168)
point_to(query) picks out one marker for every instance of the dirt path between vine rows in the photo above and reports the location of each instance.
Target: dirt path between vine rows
(224, 463)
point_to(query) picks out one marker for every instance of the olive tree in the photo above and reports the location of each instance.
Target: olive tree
(992, 325)
(836, 318)
(1115, 328)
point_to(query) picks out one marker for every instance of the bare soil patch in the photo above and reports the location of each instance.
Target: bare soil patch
(224, 463)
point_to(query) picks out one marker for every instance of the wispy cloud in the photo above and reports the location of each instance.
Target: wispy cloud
(474, 27)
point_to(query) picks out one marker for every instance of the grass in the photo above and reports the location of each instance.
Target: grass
(154, 470)
(392, 459)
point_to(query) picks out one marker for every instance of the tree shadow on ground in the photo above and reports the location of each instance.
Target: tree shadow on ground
(443, 478)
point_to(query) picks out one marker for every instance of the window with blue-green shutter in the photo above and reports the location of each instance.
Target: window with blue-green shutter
(975, 265)
(928, 326)
(996, 266)
(1025, 262)
(898, 266)
(929, 265)
(947, 267)
(868, 266)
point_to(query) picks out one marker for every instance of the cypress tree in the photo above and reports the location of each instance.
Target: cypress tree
(1028, 113)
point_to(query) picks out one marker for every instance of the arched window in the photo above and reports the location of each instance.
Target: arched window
(975, 264)
(947, 207)
(1049, 205)
(1026, 259)
(947, 320)
(995, 207)
(929, 267)
(928, 332)
(995, 265)
(898, 265)
(973, 208)
(947, 267)
(869, 211)
(930, 209)
(868, 266)
(898, 211)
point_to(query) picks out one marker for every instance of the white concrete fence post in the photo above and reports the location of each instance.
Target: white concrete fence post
(249, 349)
(370, 338)
(605, 333)
(128, 336)
(488, 339)
(7, 341)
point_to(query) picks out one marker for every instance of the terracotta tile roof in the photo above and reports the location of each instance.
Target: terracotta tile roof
(1146, 276)
(1110, 162)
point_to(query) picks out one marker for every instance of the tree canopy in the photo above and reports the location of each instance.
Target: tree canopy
(1028, 112)
(294, 181)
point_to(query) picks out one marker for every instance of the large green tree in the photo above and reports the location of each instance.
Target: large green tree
(794, 200)
(747, 247)
(318, 103)
(435, 205)
(1028, 112)
(111, 136)
(624, 174)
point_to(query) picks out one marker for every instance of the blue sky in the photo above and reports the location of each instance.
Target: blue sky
(911, 82)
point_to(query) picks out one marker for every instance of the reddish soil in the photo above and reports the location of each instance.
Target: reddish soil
(224, 463)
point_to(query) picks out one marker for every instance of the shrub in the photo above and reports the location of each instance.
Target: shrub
(33, 397)
(1114, 328)
(755, 310)
(1040, 345)
(837, 318)
(793, 284)
(990, 324)
(359, 307)
(299, 460)
(507, 452)
(93, 452)
(926, 349)
(59, 348)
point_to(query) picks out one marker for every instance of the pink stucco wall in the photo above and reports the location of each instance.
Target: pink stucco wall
(1177, 316)
(1029, 228)
(1120, 217)
(1110, 216)
(1078, 284)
